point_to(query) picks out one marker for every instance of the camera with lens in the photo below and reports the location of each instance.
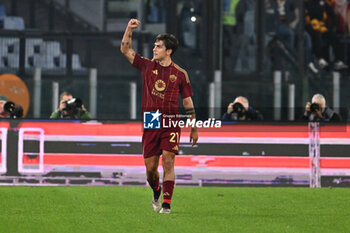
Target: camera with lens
(73, 109)
(238, 111)
(314, 107)
(14, 110)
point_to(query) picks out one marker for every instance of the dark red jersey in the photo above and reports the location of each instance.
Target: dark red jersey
(162, 85)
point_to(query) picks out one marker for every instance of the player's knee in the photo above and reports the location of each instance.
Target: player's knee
(168, 163)
(151, 169)
(151, 164)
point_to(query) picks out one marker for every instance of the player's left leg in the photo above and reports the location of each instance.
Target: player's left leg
(168, 161)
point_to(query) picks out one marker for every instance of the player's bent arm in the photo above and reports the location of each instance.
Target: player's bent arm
(125, 47)
(190, 111)
(130, 55)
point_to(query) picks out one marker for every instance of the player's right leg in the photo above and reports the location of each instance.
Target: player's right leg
(151, 153)
(153, 181)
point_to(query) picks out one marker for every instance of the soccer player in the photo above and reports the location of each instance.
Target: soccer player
(163, 81)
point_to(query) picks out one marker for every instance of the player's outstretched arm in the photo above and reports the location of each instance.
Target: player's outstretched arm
(189, 108)
(125, 47)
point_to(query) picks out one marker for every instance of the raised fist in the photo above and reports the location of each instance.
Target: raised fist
(133, 23)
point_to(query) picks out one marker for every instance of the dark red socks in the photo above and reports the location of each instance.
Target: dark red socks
(168, 188)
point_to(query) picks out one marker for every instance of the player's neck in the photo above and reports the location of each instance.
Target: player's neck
(165, 62)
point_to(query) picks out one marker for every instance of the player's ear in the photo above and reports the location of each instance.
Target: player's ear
(169, 51)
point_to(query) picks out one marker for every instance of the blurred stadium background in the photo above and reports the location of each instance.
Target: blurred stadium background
(73, 45)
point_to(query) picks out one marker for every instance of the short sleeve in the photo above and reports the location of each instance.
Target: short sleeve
(185, 87)
(140, 62)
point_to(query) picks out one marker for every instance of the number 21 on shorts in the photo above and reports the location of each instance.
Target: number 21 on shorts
(174, 137)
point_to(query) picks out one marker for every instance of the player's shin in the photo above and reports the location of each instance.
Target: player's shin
(168, 188)
(153, 180)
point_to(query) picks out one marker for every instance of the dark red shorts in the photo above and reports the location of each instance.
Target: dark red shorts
(156, 140)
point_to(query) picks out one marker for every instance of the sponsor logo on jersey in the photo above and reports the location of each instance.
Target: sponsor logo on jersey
(157, 93)
(159, 85)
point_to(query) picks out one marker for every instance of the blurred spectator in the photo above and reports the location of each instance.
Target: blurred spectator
(308, 53)
(246, 54)
(233, 16)
(188, 26)
(320, 23)
(317, 110)
(286, 20)
(340, 10)
(70, 108)
(155, 11)
(283, 17)
(240, 110)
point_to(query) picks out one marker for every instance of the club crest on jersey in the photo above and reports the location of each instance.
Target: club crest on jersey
(172, 78)
(159, 85)
(155, 72)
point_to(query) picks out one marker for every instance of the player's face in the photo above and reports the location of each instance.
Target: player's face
(159, 51)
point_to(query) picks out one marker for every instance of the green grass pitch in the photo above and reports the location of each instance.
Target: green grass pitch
(128, 209)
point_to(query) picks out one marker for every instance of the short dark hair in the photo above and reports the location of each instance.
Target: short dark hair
(169, 40)
(65, 93)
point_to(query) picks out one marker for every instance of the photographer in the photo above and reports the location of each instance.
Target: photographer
(318, 111)
(239, 110)
(9, 109)
(70, 108)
